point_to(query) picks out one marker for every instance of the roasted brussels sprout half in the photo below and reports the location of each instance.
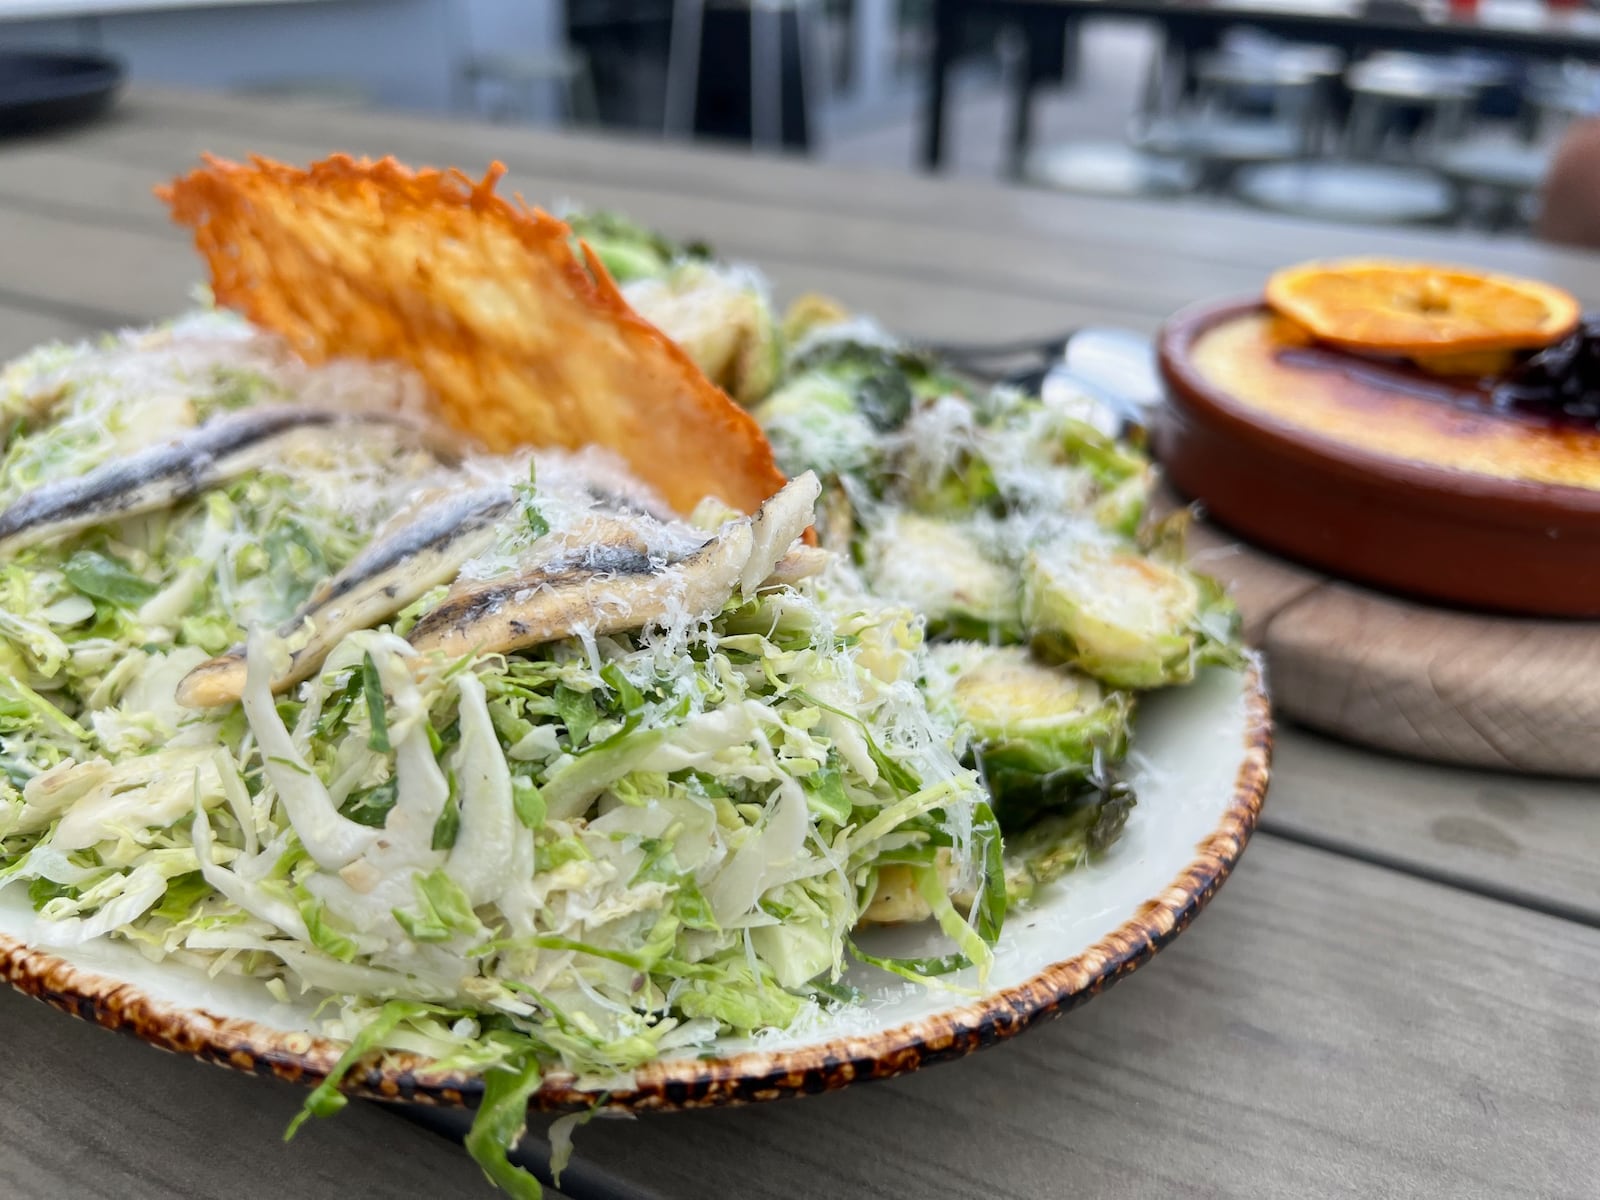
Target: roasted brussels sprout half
(943, 472)
(966, 485)
(813, 424)
(1079, 444)
(884, 379)
(721, 318)
(1036, 732)
(1121, 509)
(1112, 479)
(1065, 838)
(939, 568)
(1129, 620)
(629, 250)
(811, 312)
(1122, 474)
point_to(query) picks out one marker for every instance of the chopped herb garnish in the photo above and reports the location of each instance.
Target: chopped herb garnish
(377, 715)
(370, 806)
(104, 577)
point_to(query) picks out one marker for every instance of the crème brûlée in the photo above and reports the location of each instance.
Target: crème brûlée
(1266, 364)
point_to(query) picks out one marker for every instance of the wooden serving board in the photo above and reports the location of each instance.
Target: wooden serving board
(1459, 687)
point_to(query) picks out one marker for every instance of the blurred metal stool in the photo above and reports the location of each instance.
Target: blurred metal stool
(1109, 169)
(1494, 178)
(1247, 49)
(1557, 94)
(1367, 193)
(1245, 110)
(1173, 80)
(518, 77)
(1429, 100)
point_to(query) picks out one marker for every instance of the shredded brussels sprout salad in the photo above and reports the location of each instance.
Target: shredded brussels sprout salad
(678, 764)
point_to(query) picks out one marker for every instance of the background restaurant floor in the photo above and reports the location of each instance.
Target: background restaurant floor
(1115, 56)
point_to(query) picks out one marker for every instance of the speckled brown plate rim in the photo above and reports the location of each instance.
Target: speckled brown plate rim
(693, 1083)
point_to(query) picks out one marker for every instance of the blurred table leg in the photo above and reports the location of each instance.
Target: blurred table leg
(872, 34)
(1045, 33)
(949, 17)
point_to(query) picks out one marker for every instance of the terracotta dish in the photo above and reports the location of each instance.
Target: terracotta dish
(1377, 471)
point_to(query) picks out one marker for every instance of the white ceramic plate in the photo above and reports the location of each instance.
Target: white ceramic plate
(1200, 770)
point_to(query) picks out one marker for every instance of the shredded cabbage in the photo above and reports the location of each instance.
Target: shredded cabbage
(582, 855)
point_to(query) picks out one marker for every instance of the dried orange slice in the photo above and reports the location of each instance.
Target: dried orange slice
(1379, 306)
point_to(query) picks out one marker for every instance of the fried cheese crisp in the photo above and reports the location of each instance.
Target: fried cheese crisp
(522, 340)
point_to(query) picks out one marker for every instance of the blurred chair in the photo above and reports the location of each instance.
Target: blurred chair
(1251, 47)
(1405, 109)
(1494, 177)
(1256, 99)
(872, 48)
(1499, 173)
(1244, 110)
(1557, 94)
(1408, 99)
(782, 75)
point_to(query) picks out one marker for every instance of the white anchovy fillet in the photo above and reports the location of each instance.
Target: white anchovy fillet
(409, 557)
(616, 585)
(162, 475)
(801, 562)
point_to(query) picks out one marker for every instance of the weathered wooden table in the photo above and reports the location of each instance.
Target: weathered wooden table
(1397, 995)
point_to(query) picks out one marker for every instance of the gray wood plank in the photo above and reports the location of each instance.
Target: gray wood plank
(1078, 280)
(90, 273)
(1131, 263)
(48, 196)
(1222, 235)
(1534, 840)
(90, 1114)
(981, 285)
(1325, 1029)
(143, 273)
(22, 328)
